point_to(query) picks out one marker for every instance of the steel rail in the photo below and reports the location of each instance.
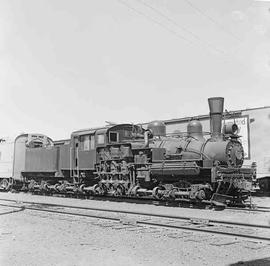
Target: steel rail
(167, 203)
(263, 207)
(256, 209)
(141, 213)
(144, 222)
(146, 200)
(177, 203)
(13, 211)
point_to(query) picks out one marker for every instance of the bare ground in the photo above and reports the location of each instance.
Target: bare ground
(33, 238)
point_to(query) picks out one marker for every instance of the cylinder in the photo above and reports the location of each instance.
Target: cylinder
(216, 109)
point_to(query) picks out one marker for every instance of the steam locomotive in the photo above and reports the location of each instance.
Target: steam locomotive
(127, 160)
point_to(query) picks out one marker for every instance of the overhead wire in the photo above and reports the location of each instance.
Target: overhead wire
(177, 34)
(153, 20)
(209, 45)
(220, 26)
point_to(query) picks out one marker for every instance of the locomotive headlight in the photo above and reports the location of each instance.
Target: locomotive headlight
(230, 129)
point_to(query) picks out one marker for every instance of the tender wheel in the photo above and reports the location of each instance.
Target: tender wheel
(4, 185)
(31, 185)
(43, 186)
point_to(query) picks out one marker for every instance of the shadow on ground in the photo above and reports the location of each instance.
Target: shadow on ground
(258, 262)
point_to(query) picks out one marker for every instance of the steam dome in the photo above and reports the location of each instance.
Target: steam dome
(194, 129)
(157, 128)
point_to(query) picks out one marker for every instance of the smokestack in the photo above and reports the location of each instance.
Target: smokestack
(216, 110)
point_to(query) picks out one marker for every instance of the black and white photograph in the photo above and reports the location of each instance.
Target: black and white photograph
(134, 132)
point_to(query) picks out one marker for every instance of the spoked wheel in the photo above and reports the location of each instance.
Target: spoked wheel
(4, 185)
(32, 184)
(119, 191)
(157, 194)
(100, 189)
(43, 186)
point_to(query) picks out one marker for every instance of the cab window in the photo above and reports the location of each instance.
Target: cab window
(100, 139)
(113, 137)
(87, 142)
(92, 142)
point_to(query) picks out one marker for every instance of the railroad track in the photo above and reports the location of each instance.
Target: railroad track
(250, 209)
(167, 203)
(139, 219)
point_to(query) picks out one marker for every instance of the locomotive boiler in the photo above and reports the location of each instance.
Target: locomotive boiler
(128, 160)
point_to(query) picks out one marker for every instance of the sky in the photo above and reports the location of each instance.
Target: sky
(67, 65)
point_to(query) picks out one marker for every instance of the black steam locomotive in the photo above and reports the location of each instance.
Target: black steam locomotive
(127, 160)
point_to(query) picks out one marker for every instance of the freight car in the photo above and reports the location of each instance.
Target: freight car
(128, 161)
